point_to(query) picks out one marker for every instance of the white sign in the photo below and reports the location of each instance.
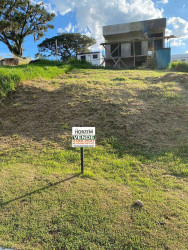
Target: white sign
(83, 137)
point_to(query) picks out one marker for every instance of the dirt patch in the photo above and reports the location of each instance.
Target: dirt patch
(174, 77)
(134, 113)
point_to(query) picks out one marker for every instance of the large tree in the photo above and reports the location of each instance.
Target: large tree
(66, 45)
(20, 18)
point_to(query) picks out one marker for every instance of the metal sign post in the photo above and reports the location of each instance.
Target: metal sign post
(82, 160)
(83, 137)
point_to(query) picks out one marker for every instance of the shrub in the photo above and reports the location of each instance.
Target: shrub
(179, 66)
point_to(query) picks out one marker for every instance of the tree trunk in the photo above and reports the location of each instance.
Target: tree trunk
(20, 50)
(15, 49)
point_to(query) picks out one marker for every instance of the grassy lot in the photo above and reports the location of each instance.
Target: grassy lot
(141, 120)
(10, 76)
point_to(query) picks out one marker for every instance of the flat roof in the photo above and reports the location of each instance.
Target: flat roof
(145, 25)
(87, 53)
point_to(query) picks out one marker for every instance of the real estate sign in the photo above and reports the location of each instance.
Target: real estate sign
(83, 136)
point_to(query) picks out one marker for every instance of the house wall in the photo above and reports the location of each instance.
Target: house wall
(123, 37)
(108, 51)
(144, 48)
(89, 58)
(126, 49)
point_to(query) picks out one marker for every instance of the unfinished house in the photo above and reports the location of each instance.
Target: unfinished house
(133, 44)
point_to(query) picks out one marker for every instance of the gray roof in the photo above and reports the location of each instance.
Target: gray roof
(87, 53)
(146, 25)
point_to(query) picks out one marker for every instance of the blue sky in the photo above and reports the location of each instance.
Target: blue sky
(88, 17)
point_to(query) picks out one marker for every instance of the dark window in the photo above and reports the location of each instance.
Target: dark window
(115, 51)
(137, 48)
(95, 56)
(83, 58)
(158, 44)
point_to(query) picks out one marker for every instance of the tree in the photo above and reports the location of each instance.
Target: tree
(20, 18)
(66, 45)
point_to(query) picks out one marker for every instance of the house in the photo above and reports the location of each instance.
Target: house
(180, 58)
(132, 44)
(95, 58)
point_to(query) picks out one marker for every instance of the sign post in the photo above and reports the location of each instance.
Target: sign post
(83, 137)
(82, 160)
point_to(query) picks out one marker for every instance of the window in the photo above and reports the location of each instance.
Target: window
(115, 51)
(83, 58)
(95, 56)
(138, 48)
(158, 44)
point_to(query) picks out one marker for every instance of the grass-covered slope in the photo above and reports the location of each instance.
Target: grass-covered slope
(10, 76)
(141, 120)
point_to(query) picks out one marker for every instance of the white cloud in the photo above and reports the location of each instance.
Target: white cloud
(47, 6)
(179, 26)
(163, 1)
(91, 15)
(67, 29)
(177, 43)
(186, 52)
(168, 32)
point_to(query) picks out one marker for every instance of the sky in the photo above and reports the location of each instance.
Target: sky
(88, 17)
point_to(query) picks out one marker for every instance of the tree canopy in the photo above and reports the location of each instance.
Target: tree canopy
(68, 45)
(20, 18)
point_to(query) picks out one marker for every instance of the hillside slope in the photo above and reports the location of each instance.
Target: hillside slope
(141, 120)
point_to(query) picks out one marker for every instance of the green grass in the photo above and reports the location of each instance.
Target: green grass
(179, 66)
(10, 76)
(140, 154)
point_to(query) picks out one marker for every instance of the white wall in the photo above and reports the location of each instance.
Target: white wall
(144, 48)
(89, 58)
(126, 49)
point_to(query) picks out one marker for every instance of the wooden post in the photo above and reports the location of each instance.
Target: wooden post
(134, 52)
(56, 52)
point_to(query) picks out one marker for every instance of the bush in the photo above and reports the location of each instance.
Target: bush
(83, 64)
(179, 66)
(7, 82)
(45, 62)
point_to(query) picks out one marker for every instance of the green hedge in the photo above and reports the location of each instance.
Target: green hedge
(179, 66)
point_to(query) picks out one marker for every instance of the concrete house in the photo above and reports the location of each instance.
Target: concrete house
(95, 58)
(131, 44)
